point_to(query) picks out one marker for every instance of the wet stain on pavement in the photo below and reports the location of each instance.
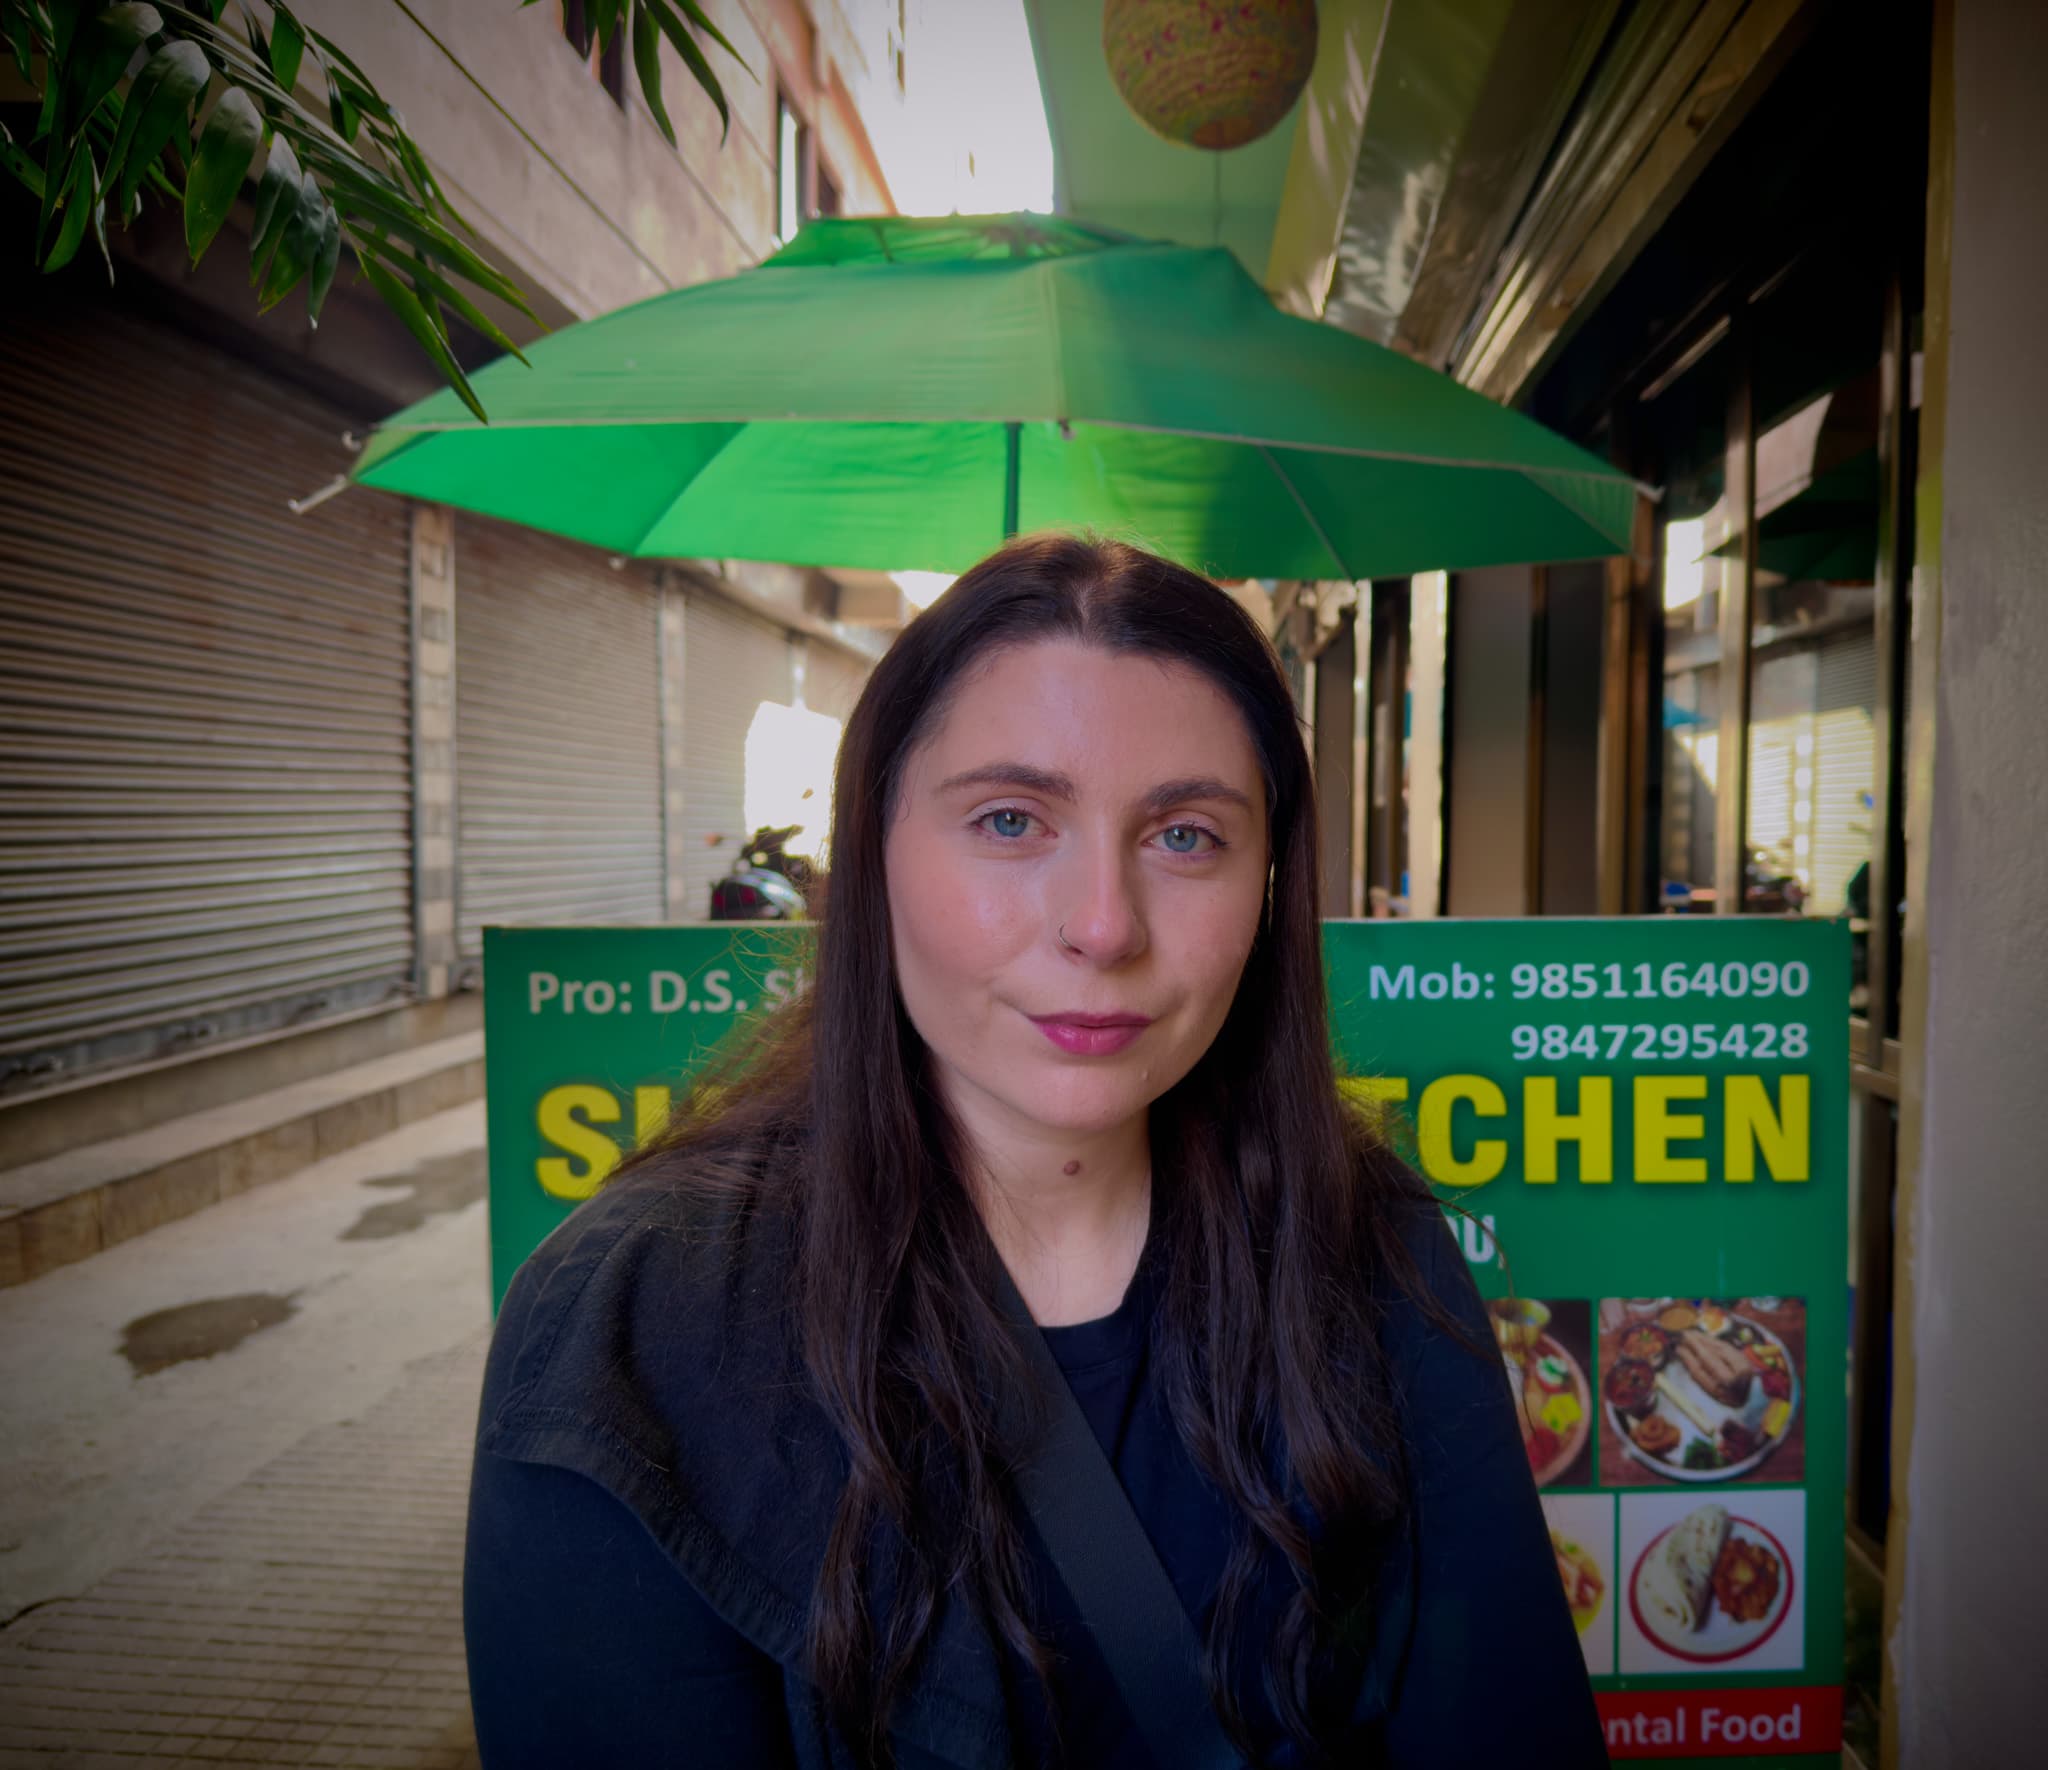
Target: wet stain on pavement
(155, 1342)
(438, 1186)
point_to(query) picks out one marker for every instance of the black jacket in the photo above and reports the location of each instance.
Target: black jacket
(653, 1487)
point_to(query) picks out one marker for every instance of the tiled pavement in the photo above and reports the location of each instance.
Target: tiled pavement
(309, 1615)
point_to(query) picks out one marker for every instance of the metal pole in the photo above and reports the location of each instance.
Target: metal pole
(1013, 444)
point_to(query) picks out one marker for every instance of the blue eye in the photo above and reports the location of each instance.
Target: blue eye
(1193, 834)
(1007, 823)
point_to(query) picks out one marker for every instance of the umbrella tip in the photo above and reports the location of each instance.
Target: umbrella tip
(313, 500)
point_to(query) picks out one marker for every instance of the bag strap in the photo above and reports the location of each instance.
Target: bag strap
(1108, 1564)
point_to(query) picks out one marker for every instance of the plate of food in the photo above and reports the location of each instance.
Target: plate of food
(1585, 1586)
(1711, 1587)
(1553, 1399)
(1698, 1392)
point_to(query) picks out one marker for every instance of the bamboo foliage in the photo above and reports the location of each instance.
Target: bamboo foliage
(150, 98)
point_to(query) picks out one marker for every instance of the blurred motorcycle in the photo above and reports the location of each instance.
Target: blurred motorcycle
(767, 883)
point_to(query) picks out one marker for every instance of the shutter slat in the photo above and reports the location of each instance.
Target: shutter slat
(557, 735)
(205, 750)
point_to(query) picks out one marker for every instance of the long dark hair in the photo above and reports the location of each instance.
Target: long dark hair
(1275, 1209)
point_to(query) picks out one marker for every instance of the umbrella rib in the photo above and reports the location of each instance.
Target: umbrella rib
(1538, 474)
(683, 491)
(1307, 515)
(1603, 476)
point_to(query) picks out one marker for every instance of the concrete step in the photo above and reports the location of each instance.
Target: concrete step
(69, 1206)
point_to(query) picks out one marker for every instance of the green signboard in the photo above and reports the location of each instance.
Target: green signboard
(1639, 1129)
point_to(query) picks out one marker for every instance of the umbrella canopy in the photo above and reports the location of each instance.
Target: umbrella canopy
(1826, 534)
(903, 393)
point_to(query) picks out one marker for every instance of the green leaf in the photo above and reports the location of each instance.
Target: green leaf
(415, 164)
(647, 62)
(99, 230)
(355, 194)
(257, 41)
(26, 168)
(287, 50)
(101, 56)
(230, 56)
(367, 100)
(21, 39)
(64, 25)
(59, 168)
(80, 197)
(133, 108)
(341, 110)
(604, 20)
(300, 246)
(425, 277)
(423, 326)
(340, 58)
(277, 198)
(321, 278)
(52, 113)
(678, 33)
(696, 16)
(176, 76)
(226, 146)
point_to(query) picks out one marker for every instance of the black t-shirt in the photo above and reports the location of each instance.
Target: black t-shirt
(588, 1645)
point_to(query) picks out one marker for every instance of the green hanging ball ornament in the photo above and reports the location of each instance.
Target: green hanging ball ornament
(1210, 73)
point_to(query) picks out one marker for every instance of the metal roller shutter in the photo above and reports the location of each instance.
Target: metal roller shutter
(557, 735)
(1780, 752)
(205, 738)
(1844, 765)
(732, 663)
(833, 680)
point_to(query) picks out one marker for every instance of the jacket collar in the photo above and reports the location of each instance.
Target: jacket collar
(650, 1352)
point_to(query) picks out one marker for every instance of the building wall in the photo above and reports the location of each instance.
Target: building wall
(1486, 792)
(587, 207)
(1965, 1653)
(597, 210)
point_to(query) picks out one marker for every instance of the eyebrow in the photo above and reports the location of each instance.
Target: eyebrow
(1059, 786)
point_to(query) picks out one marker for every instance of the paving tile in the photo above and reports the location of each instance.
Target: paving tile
(291, 1621)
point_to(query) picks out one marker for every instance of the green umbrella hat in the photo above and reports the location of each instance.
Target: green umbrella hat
(903, 393)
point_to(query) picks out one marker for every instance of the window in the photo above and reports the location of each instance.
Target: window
(792, 150)
(607, 65)
(1688, 413)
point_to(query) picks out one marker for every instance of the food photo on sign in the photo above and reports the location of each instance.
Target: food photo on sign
(1713, 1582)
(1582, 1537)
(1702, 1389)
(1544, 1347)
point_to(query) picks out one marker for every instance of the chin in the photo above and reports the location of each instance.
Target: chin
(1086, 1109)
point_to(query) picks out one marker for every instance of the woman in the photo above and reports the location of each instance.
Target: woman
(743, 1489)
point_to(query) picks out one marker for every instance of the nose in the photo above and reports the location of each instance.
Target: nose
(1099, 905)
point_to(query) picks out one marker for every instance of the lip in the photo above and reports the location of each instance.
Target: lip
(1091, 1035)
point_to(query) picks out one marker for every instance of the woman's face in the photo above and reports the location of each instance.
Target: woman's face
(1118, 797)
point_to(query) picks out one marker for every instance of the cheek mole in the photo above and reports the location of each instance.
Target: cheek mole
(1071, 1168)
